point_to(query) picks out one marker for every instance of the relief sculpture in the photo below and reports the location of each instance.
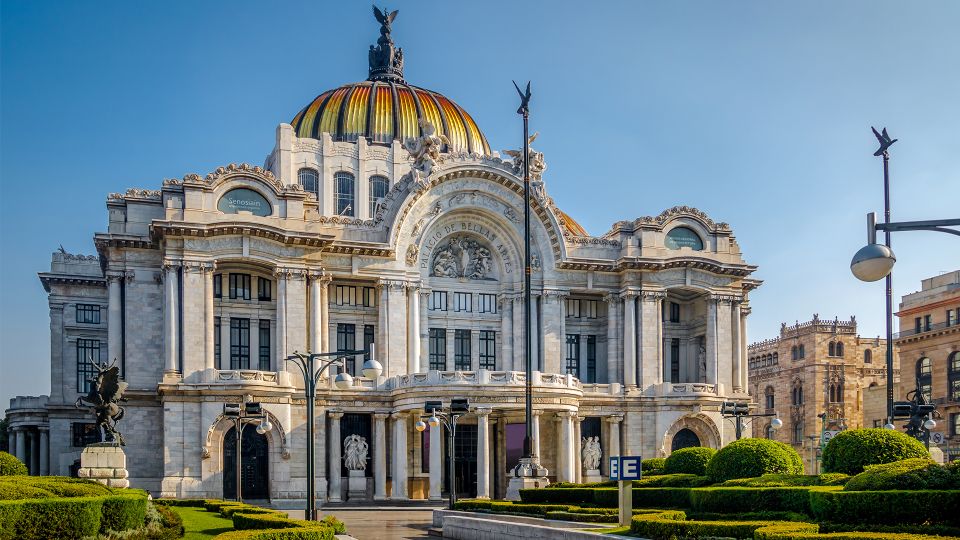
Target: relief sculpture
(464, 258)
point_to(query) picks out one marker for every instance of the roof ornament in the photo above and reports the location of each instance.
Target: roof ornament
(386, 60)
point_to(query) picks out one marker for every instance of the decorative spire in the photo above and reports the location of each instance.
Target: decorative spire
(386, 60)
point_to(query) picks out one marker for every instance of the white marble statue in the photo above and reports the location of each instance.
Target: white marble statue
(590, 453)
(355, 450)
(702, 360)
(425, 150)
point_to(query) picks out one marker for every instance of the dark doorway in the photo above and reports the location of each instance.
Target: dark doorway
(684, 439)
(254, 470)
(465, 452)
(356, 424)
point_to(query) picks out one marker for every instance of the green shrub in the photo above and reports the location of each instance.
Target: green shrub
(671, 526)
(11, 466)
(914, 473)
(834, 479)
(558, 495)
(672, 480)
(787, 480)
(583, 517)
(748, 458)
(196, 503)
(852, 450)
(745, 499)
(41, 519)
(243, 521)
(124, 512)
(691, 460)
(302, 533)
(335, 524)
(653, 464)
(26, 487)
(886, 507)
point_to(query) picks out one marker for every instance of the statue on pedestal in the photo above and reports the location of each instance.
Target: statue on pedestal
(106, 390)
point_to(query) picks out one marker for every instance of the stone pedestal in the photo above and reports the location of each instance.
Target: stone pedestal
(528, 475)
(591, 476)
(356, 485)
(106, 463)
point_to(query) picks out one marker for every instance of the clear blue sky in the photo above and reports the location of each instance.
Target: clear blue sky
(756, 112)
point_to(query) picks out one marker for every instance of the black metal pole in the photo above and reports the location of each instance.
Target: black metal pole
(739, 427)
(451, 460)
(310, 389)
(527, 299)
(889, 283)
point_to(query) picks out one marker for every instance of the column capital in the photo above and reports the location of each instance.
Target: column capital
(399, 415)
(652, 294)
(290, 272)
(380, 415)
(483, 411)
(391, 284)
(566, 414)
(720, 298)
(129, 275)
(536, 412)
(413, 287)
(628, 295)
(614, 418)
(197, 267)
(745, 310)
(555, 294)
(335, 414)
(171, 265)
(113, 277)
(611, 298)
(316, 275)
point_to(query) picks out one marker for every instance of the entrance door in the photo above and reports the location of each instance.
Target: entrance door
(684, 439)
(253, 465)
(465, 453)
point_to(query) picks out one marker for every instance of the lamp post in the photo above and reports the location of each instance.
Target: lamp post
(306, 362)
(740, 410)
(875, 261)
(243, 413)
(458, 408)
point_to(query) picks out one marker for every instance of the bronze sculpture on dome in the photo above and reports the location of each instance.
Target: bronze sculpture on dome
(104, 396)
(386, 60)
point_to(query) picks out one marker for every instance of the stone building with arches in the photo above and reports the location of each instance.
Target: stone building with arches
(382, 217)
(819, 367)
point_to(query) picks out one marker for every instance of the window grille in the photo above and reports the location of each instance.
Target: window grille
(461, 350)
(239, 286)
(572, 308)
(88, 314)
(378, 190)
(438, 300)
(463, 301)
(369, 297)
(88, 350)
(589, 309)
(216, 341)
(344, 194)
(218, 286)
(573, 355)
(264, 345)
(347, 341)
(438, 349)
(488, 349)
(239, 343)
(264, 292)
(488, 303)
(591, 359)
(346, 295)
(309, 180)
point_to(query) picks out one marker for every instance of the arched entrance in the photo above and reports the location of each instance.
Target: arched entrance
(254, 465)
(684, 438)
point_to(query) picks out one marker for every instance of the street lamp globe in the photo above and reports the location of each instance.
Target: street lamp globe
(873, 262)
(372, 369)
(929, 424)
(776, 423)
(343, 381)
(264, 426)
(419, 425)
(433, 421)
(889, 425)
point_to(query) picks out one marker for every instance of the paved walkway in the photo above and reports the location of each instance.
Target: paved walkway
(381, 523)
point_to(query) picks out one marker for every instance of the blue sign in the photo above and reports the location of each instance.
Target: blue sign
(625, 467)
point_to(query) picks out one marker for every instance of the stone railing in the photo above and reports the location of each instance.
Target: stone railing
(485, 378)
(234, 376)
(598, 388)
(690, 389)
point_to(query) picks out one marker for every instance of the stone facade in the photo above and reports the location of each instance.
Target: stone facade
(815, 375)
(929, 343)
(200, 289)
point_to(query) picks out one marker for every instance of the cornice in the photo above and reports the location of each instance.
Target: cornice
(48, 279)
(164, 229)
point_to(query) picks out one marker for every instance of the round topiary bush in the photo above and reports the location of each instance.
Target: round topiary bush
(653, 464)
(11, 466)
(852, 450)
(692, 460)
(749, 458)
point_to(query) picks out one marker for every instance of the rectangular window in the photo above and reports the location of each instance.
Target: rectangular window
(573, 355)
(461, 350)
(798, 433)
(463, 301)
(263, 289)
(84, 433)
(438, 300)
(674, 312)
(675, 360)
(88, 350)
(347, 341)
(769, 401)
(264, 345)
(369, 297)
(239, 342)
(488, 303)
(589, 309)
(591, 358)
(218, 286)
(573, 308)
(239, 286)
(88, 314)
(926, 323)
(488, 349)
(950, 317)
(438, 349)
(954, 424)
(368, 340)
(917, 327)
(346, 295)
(216, 342)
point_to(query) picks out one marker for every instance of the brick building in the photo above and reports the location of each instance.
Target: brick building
(812, 368)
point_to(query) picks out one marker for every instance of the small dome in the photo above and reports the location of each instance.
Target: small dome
(384, 110)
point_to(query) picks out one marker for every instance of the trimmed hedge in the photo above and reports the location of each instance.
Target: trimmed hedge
(11, 466)
(692, 460)
(72, 517)
(248, 520)
(194, 503)
(749, 458)
(668, 526)
(786, 480)
(300, 533)
(887, 507)
(38, 487)
(653, 464)
(673, 480)
(123, 512)
(914, 474)
(852, 450)
(743, 499)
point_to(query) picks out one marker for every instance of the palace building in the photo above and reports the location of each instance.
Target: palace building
(383, 216)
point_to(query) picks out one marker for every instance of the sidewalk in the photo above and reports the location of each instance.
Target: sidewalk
(380, 522)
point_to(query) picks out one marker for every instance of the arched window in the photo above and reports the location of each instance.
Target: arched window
(839, 348)
(867, 356)
(924, 369)
(798, 431)
(776, 358)
(378, 190)
(794, 353)
(832, 349)
(836, 392)
(344, 194)
(802, 353)
(768, 395)
(797, 393)
(309, 180)
(953, 376)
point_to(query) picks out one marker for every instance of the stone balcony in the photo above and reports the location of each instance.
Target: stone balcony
(483, 377)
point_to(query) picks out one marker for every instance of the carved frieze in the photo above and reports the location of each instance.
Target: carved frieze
(463, 257)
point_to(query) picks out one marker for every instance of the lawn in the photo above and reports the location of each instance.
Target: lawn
(200, 524)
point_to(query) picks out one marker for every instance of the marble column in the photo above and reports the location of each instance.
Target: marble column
(281, 353)
(613, 442)
(535, 425)
(517, 335)
(208, 328)
(114, 318)
(566, 446)
(325, 313)
(613, 363)
(711, 340)
(334, 447)
(436, 463)
(651, 343)
(483, 452)
(735, 345)
(399, 486)
(577, 457)
(424, 330)
(552, 326)
(171, 318)
(44, 451)
(744, 311)
(380, 456)
(316, 318)
(561, 449)
(629, 339)
(506, 332)
(21, 445)
(413, 328)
